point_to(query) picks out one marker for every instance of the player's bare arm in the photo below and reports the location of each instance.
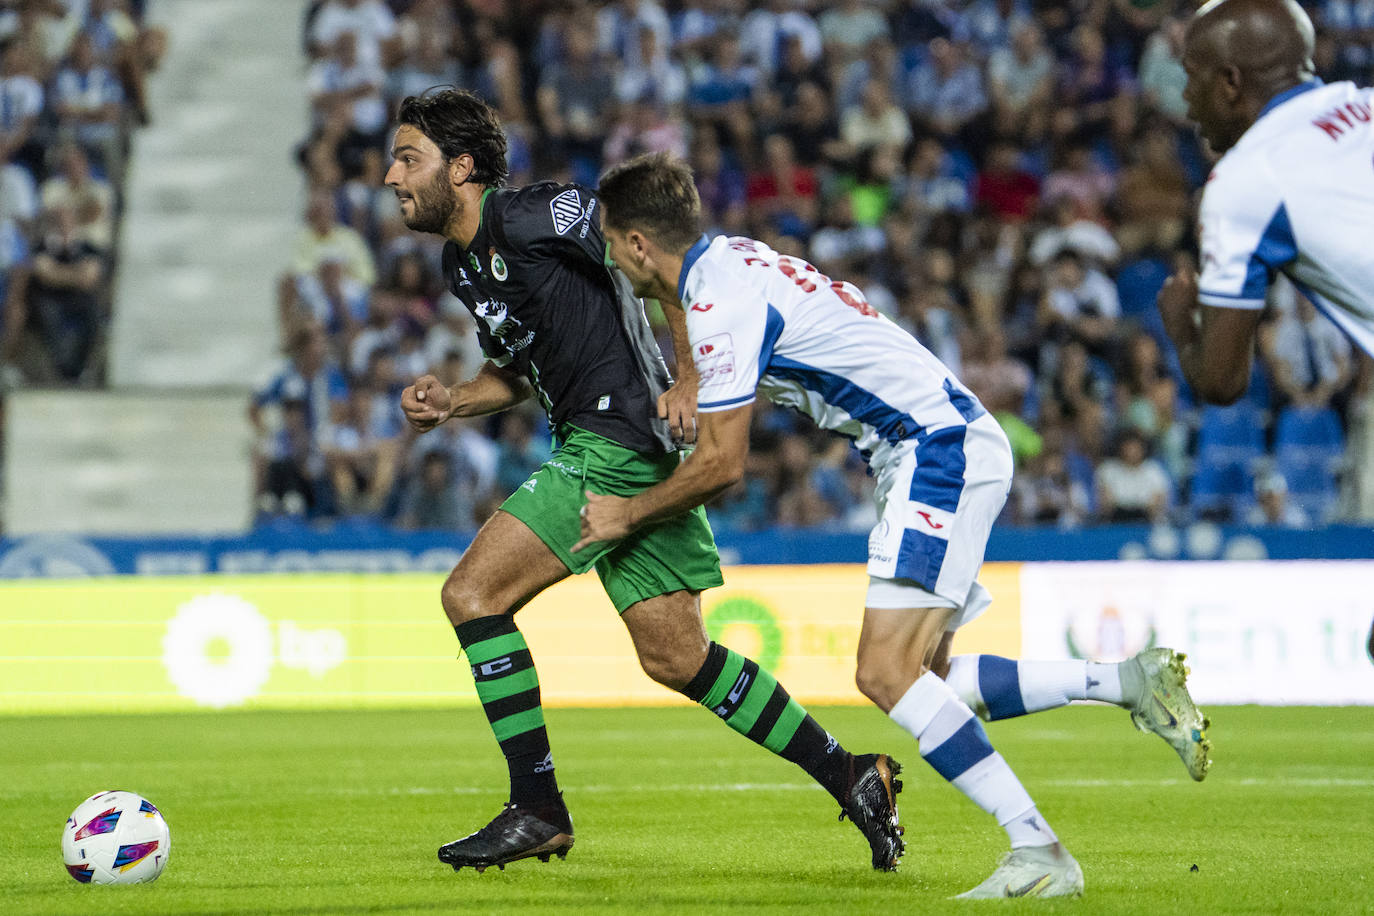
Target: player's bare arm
(678, 405)
(1215, 345)
(717, 463)
(428, 403)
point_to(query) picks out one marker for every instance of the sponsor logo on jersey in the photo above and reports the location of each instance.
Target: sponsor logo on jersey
(476, 265)
(702, 306)
(530, 484)
(715, 360)
(604, 402)
(498, 266)
(567, 210)
(930, 521)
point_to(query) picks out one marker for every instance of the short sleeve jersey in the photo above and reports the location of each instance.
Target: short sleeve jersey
(763, 322)
(546, 305)
(1296, 195)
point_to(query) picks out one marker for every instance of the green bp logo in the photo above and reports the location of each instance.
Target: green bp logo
(752, 613)
(498, 266)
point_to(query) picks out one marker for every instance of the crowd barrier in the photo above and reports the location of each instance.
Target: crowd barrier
(1276, 632)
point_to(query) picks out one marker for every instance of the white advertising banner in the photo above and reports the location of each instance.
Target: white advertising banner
(1276, 632)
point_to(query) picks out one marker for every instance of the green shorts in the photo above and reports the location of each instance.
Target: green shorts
(675, 554)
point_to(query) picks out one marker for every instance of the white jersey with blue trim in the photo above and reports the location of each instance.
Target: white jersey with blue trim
(1296, 195)
(766, 322)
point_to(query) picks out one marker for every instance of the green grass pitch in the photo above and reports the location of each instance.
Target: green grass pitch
(341, 812)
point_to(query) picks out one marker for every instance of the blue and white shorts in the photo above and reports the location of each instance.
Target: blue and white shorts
(937, 501)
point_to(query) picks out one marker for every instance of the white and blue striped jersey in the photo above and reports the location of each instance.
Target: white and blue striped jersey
(763, 322)
(1296, 195)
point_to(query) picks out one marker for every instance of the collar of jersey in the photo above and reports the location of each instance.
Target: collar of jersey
(689, 260)
(1287, 94)
(481, 206)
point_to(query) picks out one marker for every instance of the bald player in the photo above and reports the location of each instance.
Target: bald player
(1292, 193)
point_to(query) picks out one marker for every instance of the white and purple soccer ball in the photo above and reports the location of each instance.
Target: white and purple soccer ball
(116, 837)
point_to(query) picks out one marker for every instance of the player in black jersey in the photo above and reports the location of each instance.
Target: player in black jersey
(555, 322)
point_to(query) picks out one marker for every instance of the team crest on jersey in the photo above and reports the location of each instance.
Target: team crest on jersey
(566, 209)
(498, 266)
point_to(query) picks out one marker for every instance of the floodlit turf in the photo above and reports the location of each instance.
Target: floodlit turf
(341, 812)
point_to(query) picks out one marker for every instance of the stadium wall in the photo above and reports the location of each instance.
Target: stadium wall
(1277, 633)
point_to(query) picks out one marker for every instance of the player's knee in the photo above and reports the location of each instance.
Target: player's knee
(875, 682)
(461, 602)
(669, 665)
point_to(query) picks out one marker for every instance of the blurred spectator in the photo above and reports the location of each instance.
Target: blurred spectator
(306, 376)
(1162, 77)
(990, 25)
(15, 269)
(88, 100)
(361, 450)
(90, 199)
(1272, 506)
(21, 103)
(521, 449)
(1088, 81)
(432, 499)
(656, 79)
(1132, 486)
(427, 63)
(644, 126)
(293, 480)
(849, 26)
(1309, 358)
(1001, 382)
(876, 121)
(767, 29)
(813, 130)
(1004, 188)
(783, 192)
(1044, 493)
(721, 90)
(1021, 82)
(574, 101)
(946, 90)
(64, 293)
(720, 184)
(1147, 401)
(1080, 303)
(324, 238)
(1152, 195)
(1068, 229)
(370, 22)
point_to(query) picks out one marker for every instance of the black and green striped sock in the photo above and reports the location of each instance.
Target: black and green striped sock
(508, 687)
(753, 703)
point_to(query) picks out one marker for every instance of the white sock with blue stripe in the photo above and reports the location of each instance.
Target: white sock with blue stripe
(953, 742)
(1002, 688)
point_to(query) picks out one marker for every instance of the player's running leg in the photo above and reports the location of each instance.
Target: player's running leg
(1152, 685)
(896, 647)
(674, 650)
(506, 565)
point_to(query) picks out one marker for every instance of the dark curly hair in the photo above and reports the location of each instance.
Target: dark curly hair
(460, 122)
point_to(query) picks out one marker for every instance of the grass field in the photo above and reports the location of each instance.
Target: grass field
(341, 812)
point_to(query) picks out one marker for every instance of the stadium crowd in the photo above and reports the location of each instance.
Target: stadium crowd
(72, 78)
(1012, 180)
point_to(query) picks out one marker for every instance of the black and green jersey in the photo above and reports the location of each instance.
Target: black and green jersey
(535, 279)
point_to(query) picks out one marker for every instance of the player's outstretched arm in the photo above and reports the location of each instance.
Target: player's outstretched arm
(427, 403)
(1215, 345)
(717, 463)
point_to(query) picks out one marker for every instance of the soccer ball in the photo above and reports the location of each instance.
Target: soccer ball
(116, 838)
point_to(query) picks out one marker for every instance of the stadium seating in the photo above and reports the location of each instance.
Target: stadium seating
(1309, 448)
